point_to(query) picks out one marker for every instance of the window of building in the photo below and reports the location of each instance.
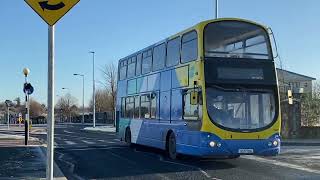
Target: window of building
(173, 52)
(146, 61)
(159, 56)
(190, 111)
(137, 107)
(131, 67)
(129, 107)
(139, 60)
(123, 70)
(153, 100)
(145, 106)
(189, 50)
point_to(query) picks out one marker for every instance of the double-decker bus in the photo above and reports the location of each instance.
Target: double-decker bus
(210, 90)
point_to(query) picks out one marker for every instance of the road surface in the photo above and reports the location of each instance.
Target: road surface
(100, 155)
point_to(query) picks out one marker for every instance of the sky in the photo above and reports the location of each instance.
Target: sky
(117, 28)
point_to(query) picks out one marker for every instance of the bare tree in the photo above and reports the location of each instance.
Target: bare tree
(110, 82)
(103, 100)
(67, 106)
(310, 107)
(36, 109)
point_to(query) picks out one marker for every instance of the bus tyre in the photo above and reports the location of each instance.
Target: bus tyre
(127, 137)
(172, 146)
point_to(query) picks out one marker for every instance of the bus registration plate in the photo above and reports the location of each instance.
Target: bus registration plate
(245, 151)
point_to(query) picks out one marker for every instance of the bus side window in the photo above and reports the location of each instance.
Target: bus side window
(129, 107)
(159, 56)
(123, 70)
(190, 110)
(189, 49)
(153, 101)
(145, 106)
(123, 105)
(146, 61)
(136, 107)
(173, 52)
(139, 60)
(131, 67)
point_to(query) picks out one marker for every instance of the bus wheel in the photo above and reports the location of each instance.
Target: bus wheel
(171, 146)
(127, 137)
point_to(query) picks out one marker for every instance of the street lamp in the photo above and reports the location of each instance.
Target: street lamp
(8, 104)
(69, 109)
(217, 8)
(94, 93)
(82, 75)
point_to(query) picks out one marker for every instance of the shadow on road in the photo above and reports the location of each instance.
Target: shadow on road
(124, 162)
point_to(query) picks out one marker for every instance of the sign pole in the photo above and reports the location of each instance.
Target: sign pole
(50, 119)
(8, 117)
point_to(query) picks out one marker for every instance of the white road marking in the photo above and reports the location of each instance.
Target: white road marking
(283, 164)
(87, 142)
(93, 148)
(190, 166)
(69, 132)
(70, 142)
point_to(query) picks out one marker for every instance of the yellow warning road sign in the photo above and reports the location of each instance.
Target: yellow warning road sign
(51, 11)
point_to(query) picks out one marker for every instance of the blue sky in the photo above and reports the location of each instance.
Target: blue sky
(116, 28)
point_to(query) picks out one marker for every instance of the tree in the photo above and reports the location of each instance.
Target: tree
(310, 107)
(67, 106)
(109, 72)
(36, 109)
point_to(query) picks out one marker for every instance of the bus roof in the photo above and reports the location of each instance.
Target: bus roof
(195, 27)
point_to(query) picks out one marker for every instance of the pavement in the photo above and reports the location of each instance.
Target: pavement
(83, 153)
(18, 161)
(300, 142)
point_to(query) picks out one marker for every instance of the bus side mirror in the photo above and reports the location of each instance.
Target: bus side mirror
(193, 97)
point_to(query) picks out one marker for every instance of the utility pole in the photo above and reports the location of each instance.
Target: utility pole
(94, 91)
(82, 75)
(217, 9)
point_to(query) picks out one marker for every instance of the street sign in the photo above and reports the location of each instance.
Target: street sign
(28, 88)
(51, 11)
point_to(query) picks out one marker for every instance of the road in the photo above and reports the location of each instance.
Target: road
(99, 155)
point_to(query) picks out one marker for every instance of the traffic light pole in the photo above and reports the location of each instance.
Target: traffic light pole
(26, 121)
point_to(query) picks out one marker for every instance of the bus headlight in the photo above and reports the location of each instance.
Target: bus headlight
(269, 144)
(275, 143)
(212, 144)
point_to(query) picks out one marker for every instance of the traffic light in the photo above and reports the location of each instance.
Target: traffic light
(290, 98)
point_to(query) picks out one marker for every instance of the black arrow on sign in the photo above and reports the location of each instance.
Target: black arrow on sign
(44, 5)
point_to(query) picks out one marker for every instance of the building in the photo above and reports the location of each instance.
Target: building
(298, 83)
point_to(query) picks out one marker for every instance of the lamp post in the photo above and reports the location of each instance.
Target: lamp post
(217, 8)
(26, 72)
(94, 93)
(69, 109)
(8, 104)
(82, 75)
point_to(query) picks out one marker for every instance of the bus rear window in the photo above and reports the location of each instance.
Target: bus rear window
(234, 39)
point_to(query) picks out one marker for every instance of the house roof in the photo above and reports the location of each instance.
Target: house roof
(304, 76)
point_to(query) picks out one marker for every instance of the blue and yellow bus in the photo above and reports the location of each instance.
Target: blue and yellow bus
(210, 90)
